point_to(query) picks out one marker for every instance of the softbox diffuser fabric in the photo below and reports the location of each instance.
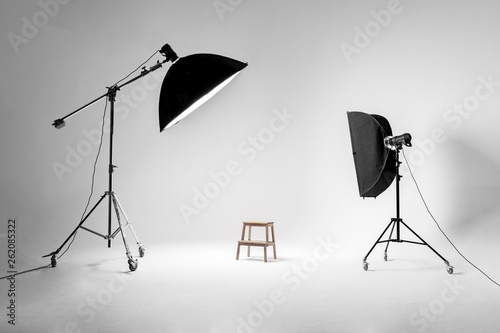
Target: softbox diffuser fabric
(375, 164)
(189, 79)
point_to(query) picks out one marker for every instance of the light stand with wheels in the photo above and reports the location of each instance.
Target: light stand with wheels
(112, 198)
(396, 223)
(189, 82)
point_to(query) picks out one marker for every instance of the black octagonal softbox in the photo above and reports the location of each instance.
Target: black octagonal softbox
(375, 164)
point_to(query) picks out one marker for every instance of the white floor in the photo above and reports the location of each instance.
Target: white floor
(316, 287)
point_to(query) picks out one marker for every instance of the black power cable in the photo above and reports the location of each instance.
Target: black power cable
(136, 69)
(93, 176)
(439, 227)
(86, 207)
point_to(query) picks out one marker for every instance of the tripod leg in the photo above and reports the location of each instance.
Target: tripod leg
(365, 264)
(142, 250)
(54, 254)
(449, 268)
(390, 235)
(132, 263)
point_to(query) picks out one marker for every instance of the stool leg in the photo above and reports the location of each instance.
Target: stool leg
(242, 238)
(265, 253)
(249, 238)
(274, 241)
(243, 232)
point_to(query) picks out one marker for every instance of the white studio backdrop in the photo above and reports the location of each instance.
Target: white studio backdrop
(274, 144)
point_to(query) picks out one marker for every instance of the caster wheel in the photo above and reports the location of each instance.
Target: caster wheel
(132, 264)
(142, 250)
(449, 269)
(365, 266)
(53, 261)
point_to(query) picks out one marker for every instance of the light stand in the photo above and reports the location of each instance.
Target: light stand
(112, 198)
(397, 222)
(189, 82)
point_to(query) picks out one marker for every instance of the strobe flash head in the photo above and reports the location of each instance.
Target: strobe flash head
(168, 53)
(397, 141)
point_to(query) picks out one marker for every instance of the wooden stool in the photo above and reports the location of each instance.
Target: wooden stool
(260, 243)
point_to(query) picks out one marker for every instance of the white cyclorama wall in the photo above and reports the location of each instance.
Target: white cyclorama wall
(274, 144)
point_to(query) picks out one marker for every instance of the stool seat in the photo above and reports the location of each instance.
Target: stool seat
(257, 224)
(255, 243)
(252, 242)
